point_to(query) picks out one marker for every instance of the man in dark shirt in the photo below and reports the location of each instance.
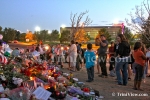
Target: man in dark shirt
(103, 55)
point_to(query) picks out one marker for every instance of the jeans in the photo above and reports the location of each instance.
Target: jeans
(122, 65)
(112, 63)
(102, 62)
(90, 72)
(139, 70)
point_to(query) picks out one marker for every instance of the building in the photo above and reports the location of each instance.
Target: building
(93, 30)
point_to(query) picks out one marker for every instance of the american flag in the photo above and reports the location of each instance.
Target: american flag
(31, 85)
(3, 59)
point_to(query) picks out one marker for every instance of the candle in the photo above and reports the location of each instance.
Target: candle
(32, 78)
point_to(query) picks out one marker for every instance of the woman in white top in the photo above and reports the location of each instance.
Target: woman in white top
(73, 55)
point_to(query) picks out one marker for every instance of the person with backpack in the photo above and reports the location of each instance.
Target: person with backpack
(122, 60)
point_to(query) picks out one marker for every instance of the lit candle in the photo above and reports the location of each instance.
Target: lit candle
(31, 78)
(49, 77)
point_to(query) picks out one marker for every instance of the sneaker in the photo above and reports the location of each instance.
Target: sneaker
(88, 80)
(101, 75)
(112, 73)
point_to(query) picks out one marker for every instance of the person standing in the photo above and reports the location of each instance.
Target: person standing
(103, 55)
(122, 60)
(73, 55)
(139, 65)
(90, 62)
(112, 59)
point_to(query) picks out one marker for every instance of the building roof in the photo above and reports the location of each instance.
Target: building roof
(98, 27)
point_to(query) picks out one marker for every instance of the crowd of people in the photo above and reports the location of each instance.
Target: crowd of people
(123, 58)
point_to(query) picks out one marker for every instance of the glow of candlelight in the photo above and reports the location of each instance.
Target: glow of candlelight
(96, 56)
(46, 47)
(62, 48)
(31, 78)
(49, 76)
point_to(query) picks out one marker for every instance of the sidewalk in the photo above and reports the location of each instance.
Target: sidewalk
(110, 90)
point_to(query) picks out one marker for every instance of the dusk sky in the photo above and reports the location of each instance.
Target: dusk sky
(51, 14)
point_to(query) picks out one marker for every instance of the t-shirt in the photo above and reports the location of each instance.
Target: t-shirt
(103, 49)
(138, 57)
(111, 50)
(90, 59)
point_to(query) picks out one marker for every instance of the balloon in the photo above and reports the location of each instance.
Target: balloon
(1, 36)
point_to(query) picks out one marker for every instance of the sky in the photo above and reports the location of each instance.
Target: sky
(49, 15)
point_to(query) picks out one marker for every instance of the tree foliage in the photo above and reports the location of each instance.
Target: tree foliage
(65, 35)
(9, 34)
(29, 36)
(104, 32)
(128, 34)
(42, 35)
(22, 37)
(77, 23)
(54, 36)
(140, 21)
(81, 36)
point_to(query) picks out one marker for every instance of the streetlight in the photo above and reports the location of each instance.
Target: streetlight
(49, 31)
(37, 28)
(115, 21)
(63, 26)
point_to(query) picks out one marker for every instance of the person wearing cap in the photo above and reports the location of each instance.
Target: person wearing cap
(102, 53)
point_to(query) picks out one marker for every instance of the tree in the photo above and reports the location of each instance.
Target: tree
(104, 32)
(65, 36)
(29, 35)
(77, 23)
(1, 30)
(129, 36)
(140, 21)
(22, 37)
(81, 36)
(54, 36)
(17, 35)
(9, 34)
(42, 35)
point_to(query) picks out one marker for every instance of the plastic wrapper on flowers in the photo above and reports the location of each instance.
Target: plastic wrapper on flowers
(74, 90)
(18, 94)
(62, 79)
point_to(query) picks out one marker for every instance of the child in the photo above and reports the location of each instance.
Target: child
(90, 58)
(138, 65)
